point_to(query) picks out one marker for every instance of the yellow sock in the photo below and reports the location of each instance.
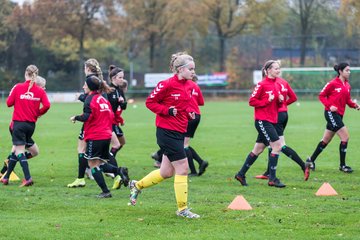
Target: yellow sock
(149, 180)
(181, 191)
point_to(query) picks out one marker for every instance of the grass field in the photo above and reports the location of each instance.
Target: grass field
(50, 210)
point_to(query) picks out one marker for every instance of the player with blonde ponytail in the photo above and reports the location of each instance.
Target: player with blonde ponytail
(26, 98)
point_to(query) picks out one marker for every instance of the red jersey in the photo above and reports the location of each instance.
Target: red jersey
(97, 117)
(171, 92)
(287, 92)
(197, 98)
(27, 103)
(265, 110)
(337, 93)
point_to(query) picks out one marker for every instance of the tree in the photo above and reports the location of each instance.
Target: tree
(234, 17)
(307, 13)
(65, 25)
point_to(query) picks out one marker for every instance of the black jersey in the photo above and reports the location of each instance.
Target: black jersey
(114, 96)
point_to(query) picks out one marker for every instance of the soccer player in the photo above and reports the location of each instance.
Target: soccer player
(170, 102)
(266, 100)
(26, 99)
(118, 104)
(91, 68)
(97, 118)
(335, 96)
(289, 98)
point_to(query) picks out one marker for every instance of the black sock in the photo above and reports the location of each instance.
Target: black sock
(288, 151)
(273, 160)
(266, 173)
(24, 164)
(11, 166)
(99, 178)
(342, 150)
(250, 159)
(320, 147)
(108, 168)
(83, 164)
(28, 155)
(114, 151)
(190, 161)
(195, 155)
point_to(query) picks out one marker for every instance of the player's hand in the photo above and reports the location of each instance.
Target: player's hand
(172, 111)
(333, 108)
(271, 97)
(72, 119)
(281, 98)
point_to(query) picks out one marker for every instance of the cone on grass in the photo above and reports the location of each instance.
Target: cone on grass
(13, 176)
(239, 203)
(326, 190)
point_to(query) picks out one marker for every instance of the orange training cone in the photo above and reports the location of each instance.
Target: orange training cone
(326, 190)
(239, 203)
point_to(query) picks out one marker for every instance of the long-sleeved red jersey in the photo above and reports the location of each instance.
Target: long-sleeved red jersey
(27, 103)
(287, 92)
(197, 98)
(171, 92)
(259, 99)
(337, 93)
(97, 117)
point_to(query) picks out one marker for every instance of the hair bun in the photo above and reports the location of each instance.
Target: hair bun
(111, 67)
(336, 67)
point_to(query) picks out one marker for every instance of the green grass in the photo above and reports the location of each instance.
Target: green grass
(49, 210)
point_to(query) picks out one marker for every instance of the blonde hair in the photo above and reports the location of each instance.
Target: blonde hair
(31, 73)
(94, 67)
(179, 59)
(268, 65)
(40, 81)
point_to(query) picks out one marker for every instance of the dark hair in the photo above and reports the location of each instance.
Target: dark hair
(113, 70)
(340, 67)
(96, 84)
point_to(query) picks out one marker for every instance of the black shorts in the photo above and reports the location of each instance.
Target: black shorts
(334, 121)
(117, 130)
(30, 142)
(192, 126)
(266, 132)
(81, 134)
(171, 143)
(282, 122)
(22, 133)
(97, 149)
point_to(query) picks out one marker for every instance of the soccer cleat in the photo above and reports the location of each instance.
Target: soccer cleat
(157, 164)
(89, 174)
(262, 176)
(104, 195)
(134, 192)
(203, 167)
(5, 181)
(345, 169)
(312, 164)
(307, 171)
(117, 182)
(26, 183)
(124, 174)
(79, 182)
(241, 179)
(186, 213)
(276, 183)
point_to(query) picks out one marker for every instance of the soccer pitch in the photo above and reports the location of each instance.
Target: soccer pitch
(50, 210)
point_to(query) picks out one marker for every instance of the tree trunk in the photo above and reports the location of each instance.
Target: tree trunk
(222, 42)
(303, 50)
(152, 51)
(81, 60)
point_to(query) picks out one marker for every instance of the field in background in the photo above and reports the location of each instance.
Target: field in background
(49, 210)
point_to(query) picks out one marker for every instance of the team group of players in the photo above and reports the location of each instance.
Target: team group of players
(270, 99)
(175, 101)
